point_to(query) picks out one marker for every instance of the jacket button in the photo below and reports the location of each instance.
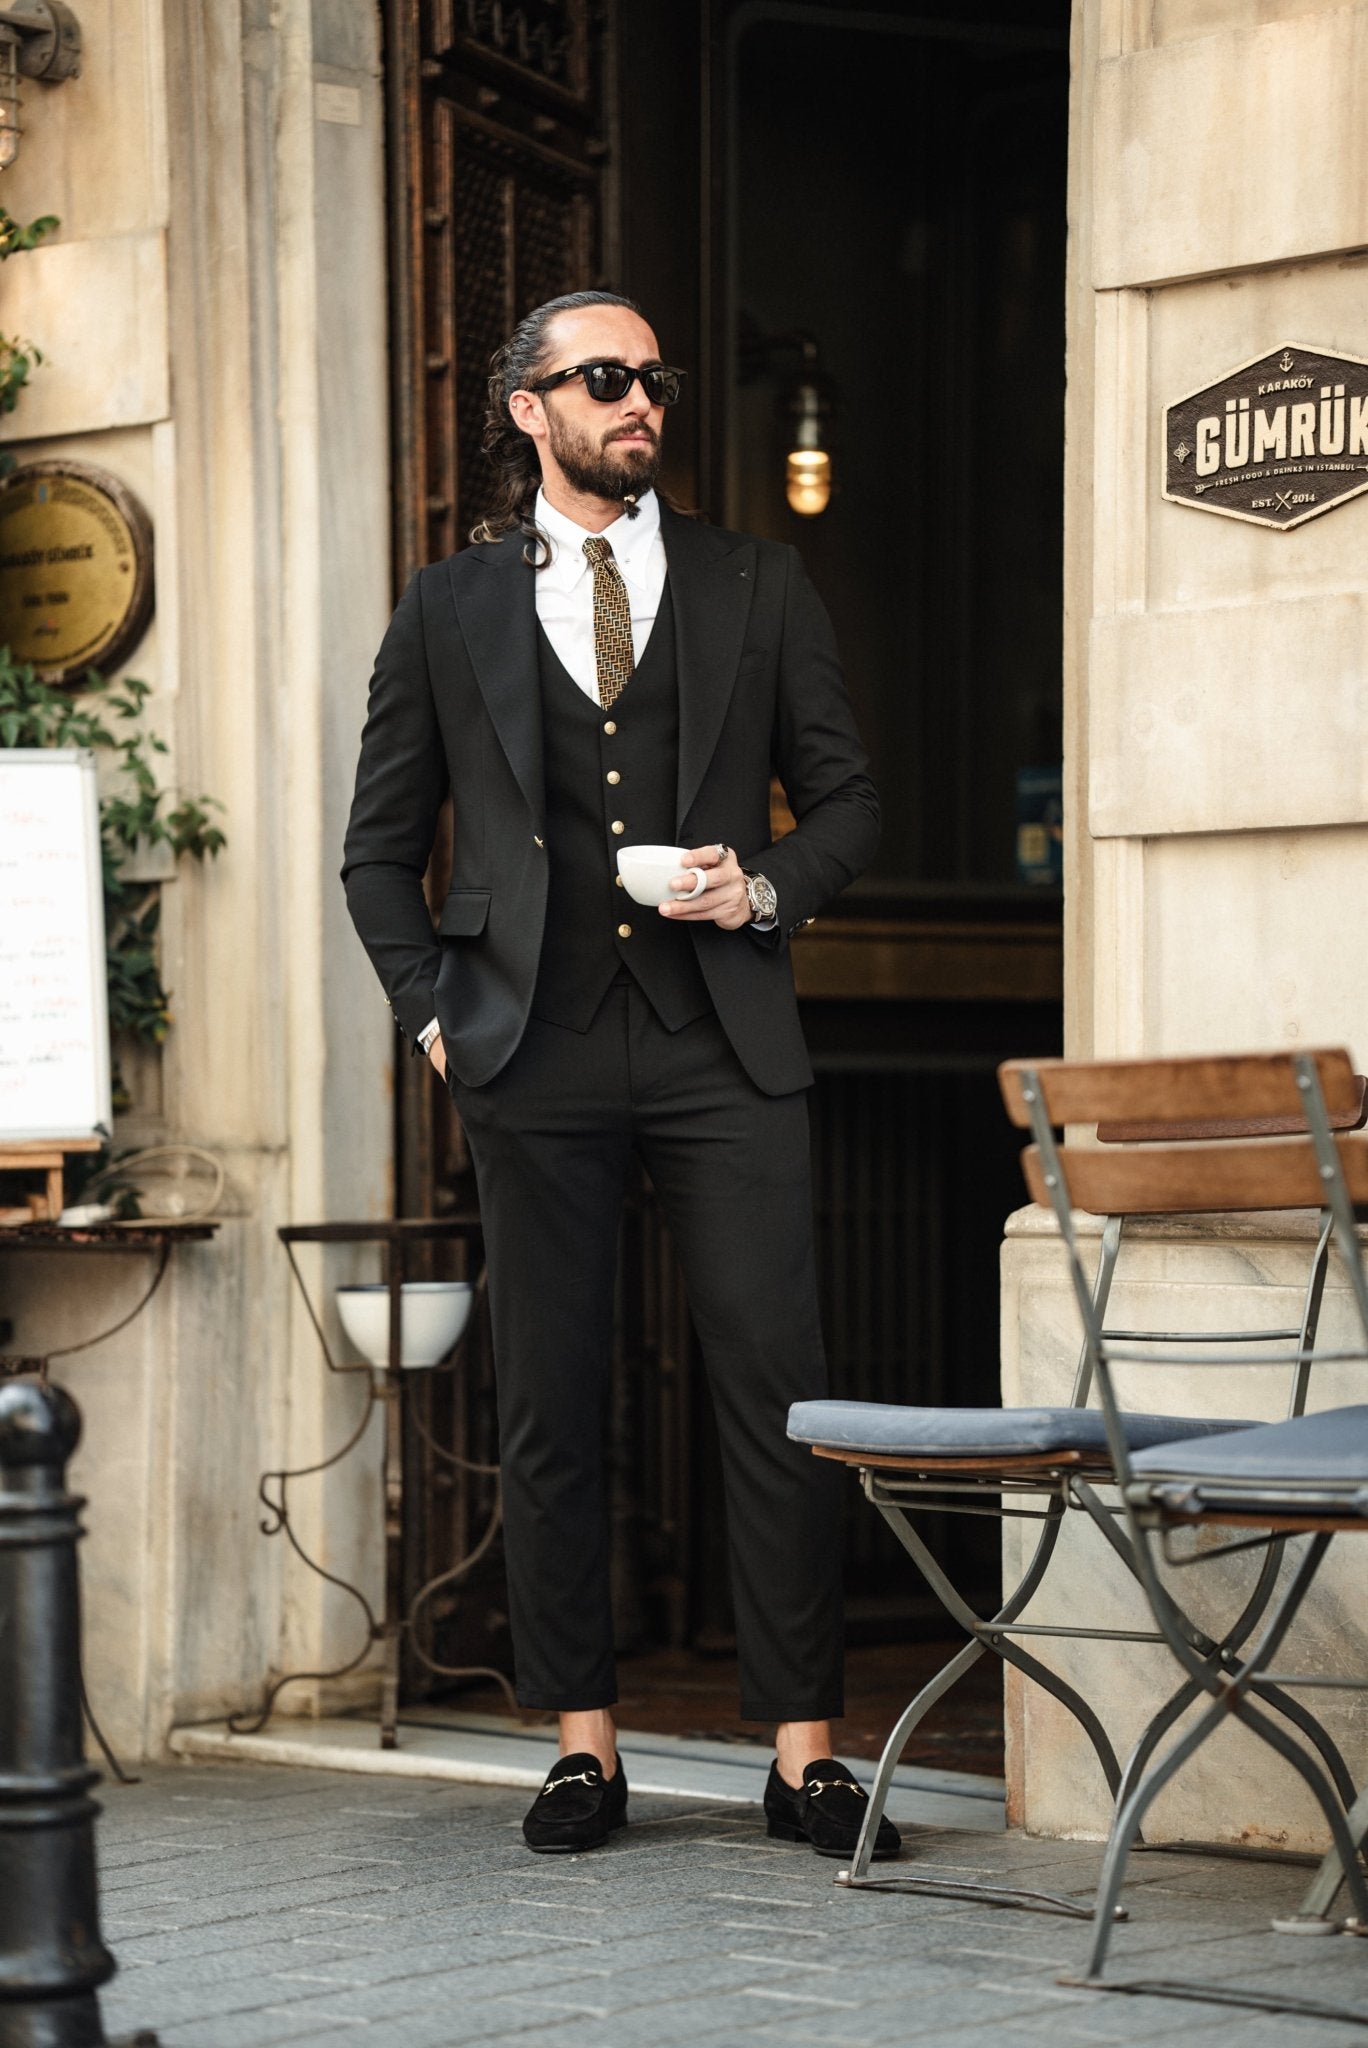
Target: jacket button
(613, 776)
(618, 827)
(618, 880)
(610, 726)
(537, 839)
(624, 931)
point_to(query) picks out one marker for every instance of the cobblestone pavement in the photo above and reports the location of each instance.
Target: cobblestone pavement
(250, 1906)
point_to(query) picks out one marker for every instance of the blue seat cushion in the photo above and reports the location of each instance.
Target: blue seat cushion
(897, 1432)
(1327, 1449)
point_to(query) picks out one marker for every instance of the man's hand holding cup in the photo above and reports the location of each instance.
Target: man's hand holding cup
(701, 884)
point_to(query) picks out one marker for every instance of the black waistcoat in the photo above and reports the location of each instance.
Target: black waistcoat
(593, 928)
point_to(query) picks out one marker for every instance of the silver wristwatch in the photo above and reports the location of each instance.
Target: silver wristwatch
(427, 1036)
(762, 896)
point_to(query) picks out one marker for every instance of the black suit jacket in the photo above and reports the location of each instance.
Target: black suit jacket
(455, 704)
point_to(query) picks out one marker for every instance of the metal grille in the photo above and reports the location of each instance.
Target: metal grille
(877, 1148)
(545, 243)
(482, 204)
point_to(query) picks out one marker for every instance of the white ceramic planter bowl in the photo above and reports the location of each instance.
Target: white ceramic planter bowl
(433, 1315)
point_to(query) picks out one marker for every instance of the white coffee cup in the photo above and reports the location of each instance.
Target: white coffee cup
(647, 872)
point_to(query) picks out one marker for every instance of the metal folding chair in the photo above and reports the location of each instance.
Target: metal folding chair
(1261, 1487)
(1038, 1464)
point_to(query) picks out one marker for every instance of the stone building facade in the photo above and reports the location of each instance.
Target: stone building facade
(212, 311)
(1215, 682)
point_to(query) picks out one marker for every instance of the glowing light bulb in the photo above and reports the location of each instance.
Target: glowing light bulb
(807, 481)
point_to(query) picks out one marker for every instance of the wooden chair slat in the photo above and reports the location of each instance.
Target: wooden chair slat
(1206, 1128)
(1182, 1180)
(1215, 1087)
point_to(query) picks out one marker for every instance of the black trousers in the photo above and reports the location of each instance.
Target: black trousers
(552, 1137)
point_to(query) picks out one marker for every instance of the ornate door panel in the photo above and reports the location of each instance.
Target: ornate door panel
(500, 149)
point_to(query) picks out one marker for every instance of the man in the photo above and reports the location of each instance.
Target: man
(596, 672)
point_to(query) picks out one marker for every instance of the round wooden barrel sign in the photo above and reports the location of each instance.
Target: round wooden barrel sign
(75, 569)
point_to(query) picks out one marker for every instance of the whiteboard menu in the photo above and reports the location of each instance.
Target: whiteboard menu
(54, 1019)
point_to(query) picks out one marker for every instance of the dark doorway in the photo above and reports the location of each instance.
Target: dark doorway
(890, 189)
(894, 192)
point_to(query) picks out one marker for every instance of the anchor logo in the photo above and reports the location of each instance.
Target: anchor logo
(1286, 361)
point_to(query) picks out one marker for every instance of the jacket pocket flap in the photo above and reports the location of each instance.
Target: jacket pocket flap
(464, 913)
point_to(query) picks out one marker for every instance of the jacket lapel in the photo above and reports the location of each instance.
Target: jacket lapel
(712, 581)
(496, 608)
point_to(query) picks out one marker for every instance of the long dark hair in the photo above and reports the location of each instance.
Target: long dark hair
(523, 358)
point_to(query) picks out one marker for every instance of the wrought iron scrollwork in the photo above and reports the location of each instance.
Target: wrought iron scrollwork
(393, 1626)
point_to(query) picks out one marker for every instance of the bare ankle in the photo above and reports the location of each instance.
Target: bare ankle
(796, 1745)
(592, 1732)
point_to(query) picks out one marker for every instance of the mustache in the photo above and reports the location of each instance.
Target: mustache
(622, 434)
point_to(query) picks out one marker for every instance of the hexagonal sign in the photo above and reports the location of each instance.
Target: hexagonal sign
(1279, 441)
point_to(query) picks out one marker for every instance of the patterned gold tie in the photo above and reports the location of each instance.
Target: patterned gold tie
(613, 654)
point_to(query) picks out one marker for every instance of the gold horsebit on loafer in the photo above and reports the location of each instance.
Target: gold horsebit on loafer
(816, 1785)
(575, 1778)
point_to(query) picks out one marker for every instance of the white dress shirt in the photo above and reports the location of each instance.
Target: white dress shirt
(565, 584)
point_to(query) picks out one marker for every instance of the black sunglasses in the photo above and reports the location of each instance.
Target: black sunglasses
(608, 382)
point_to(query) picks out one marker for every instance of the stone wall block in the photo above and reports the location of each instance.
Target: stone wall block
(1176, 748)
(1231, 150)
(97, 311)
(1257, 920)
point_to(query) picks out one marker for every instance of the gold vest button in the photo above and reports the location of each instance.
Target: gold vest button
(610, 726)
(624, 931)
(619, 827)
(613, 776)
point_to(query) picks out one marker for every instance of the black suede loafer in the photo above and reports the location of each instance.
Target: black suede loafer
(577, 1808)
(828, 1811)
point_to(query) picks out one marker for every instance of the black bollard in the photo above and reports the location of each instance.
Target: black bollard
(52, 1959)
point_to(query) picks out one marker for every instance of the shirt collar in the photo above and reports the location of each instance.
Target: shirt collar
(632, 540)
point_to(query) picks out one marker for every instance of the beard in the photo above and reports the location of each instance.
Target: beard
(598, 468)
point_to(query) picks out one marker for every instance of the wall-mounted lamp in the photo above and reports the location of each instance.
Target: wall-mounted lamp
(38, 39)
(806, 410)
(807, 469)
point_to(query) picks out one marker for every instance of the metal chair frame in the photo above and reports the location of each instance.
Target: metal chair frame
(1242, 1681)
(1067, 1487)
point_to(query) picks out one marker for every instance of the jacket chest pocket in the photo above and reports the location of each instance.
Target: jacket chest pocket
(464, 913)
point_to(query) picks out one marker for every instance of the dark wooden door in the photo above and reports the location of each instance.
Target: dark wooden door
(500, 153)
(500, 158)
(505, 190)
